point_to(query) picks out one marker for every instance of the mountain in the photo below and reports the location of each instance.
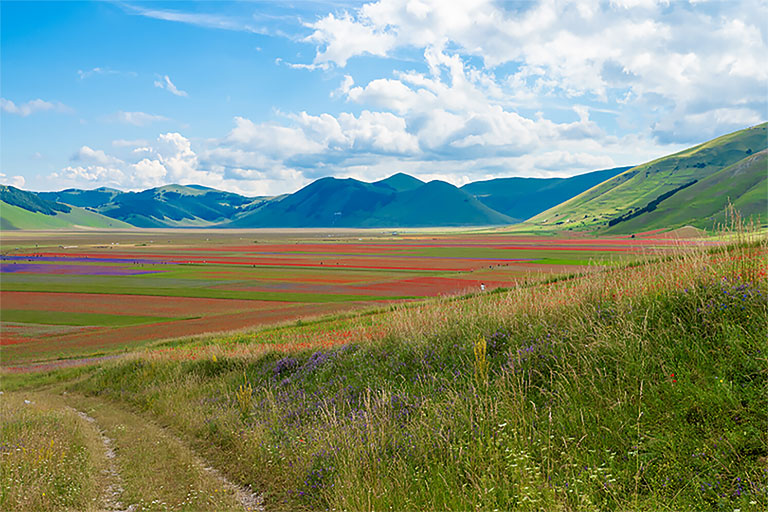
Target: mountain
(20, 209)
(436, 203)
(167, 206)
(401, 182)
(83, 198)
(398, 201)
(522, 198)
(703, 204)
(689, 187)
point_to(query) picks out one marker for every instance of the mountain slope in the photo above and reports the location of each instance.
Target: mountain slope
(522, 198)
(655, 182)
(401, 182)
(167, 206)
(395, 202)
(84, 198)
(30, 201)
(436, 203)
(326, 202)
(703, 204)
(15, 217)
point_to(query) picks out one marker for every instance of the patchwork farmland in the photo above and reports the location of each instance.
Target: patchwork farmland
(77, 294)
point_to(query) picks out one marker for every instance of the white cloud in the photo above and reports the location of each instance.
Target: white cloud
(649, 54)
(89, 174)
(345, 37)
(13, 181)
(547, 88)
(102, 71)
(123, 143)
(32, 107)
(165, 83)
(197, 19)
(95, 156)
(138, 118)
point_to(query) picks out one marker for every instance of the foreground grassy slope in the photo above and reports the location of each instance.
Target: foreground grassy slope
(636, 188)
(642, 388)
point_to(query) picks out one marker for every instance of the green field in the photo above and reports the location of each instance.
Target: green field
(636, 387)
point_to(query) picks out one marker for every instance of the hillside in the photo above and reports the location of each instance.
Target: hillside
(704, 203)
(15, 217)
(401, 182)
(522, 198)
(166, 206)
(20, 209)
(641, 189)
(399, 201)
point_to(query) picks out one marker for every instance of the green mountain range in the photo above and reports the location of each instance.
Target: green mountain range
(20, 209)
(398, 201)
(522, 198)
(692, 187)
(167, 206)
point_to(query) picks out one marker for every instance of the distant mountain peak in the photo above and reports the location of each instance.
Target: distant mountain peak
(401, 182)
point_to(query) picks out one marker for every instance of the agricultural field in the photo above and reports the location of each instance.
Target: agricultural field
(78, 294)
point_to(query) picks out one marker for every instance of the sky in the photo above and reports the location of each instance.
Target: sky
(262, 98)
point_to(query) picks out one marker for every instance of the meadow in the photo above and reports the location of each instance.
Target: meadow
(65, 295)
(631, 386)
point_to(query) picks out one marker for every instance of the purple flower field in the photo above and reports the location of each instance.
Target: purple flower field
(75, 270)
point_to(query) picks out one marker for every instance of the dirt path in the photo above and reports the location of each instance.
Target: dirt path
(113, 483)
(150, 469)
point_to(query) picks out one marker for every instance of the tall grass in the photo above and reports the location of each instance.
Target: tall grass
(46, 457)
(641, 388)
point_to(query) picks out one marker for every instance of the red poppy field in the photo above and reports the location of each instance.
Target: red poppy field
(80, 293)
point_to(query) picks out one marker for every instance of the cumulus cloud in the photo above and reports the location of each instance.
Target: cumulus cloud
(95, 156)
(13, 181)
(545, 88)
(164, 82)
(696, 57)
(32, 107)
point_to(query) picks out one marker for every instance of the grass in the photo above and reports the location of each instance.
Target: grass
(642, 184)
(69, 318)
(640, 388)
(47, 457)
(637, 387)
(15, 217)
(158, 472)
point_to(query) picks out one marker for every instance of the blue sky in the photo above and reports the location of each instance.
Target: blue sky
(263, 97)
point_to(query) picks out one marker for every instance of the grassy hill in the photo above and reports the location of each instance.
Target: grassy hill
(401, 182)
(15, 217)
(522, 198)
(166, 206)
(703, 204)
(20, 209)
(84, 198)
(399, 201)
(655, 183)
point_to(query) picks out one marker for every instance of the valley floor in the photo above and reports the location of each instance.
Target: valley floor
(639, 387)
